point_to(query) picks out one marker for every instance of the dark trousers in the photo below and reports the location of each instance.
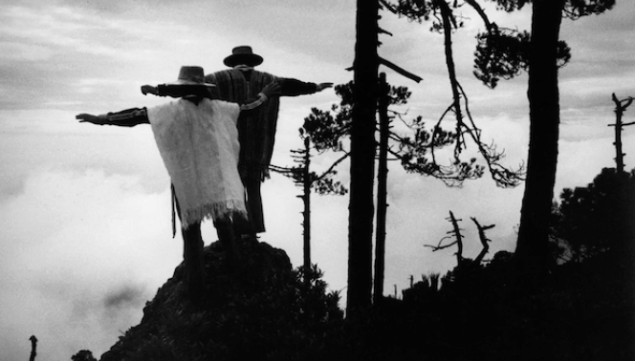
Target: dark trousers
(193, 250)
(256, 222)
(193, 259)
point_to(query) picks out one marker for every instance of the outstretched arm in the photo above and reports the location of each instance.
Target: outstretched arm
(124, 118)
(294, 87)
(179, 90)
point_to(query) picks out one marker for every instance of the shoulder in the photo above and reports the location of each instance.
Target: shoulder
(163, 107)
(223, 76)
(267, 76)
(218, 72)
(163, 112)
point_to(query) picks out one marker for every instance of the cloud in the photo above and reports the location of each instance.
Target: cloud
(81, 254)
(125, 296)
(86, 231)
(62, 44)
(43, 140)
(67, 29)
(24, 52)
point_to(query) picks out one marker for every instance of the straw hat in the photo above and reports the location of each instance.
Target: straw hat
(191, 75)
(243, 55)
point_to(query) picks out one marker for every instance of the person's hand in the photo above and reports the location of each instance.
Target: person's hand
(145, 89)
(89, 118)
(323, 86)
(271, 90)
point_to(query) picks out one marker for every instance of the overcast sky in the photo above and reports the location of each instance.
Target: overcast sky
(86, 229)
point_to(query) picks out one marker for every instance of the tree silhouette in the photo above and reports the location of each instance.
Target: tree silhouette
(620, 108)
(308, 180)
(532, 250)
(414, 148)
(362, 143)
(83, 355)
(456, 234)
(504, 53)
(445, 21)
(597, 218)
(33, 340)
(361, 209)
(596, 225)
(382, 188)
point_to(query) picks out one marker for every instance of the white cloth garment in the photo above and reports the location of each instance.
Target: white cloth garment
(199, 147)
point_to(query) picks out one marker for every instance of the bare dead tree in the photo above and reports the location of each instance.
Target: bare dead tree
(33, 340)
(483, 238)
(304, 178)
(456, 234)
(304, 158)
(382, 192)
(620, 107)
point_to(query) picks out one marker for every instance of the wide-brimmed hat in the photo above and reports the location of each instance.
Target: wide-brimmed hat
(243, 55)
(191, 75)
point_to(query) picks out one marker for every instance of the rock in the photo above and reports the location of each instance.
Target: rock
(254, 310)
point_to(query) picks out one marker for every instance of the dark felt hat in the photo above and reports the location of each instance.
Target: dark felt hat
(243, 55)
(191, 75)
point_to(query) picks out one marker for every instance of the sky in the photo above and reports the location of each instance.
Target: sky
(86, 236)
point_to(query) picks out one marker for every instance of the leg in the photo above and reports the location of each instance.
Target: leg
(254, 203)
(227, 237)
(193, 256)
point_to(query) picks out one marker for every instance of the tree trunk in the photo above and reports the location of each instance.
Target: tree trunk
(382, 193)
(361, 209)
(33, 340)
(544, 115)
(306, 223)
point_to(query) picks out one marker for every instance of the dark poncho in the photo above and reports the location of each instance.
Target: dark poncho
(256, 127)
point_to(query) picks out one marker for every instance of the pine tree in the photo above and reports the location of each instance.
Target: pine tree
(361, 208)
(504, 53)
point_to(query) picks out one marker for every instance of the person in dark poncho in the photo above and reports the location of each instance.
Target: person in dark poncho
(257, 127)
(198, 142)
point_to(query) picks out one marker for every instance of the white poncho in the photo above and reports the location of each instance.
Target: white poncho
(200, 149)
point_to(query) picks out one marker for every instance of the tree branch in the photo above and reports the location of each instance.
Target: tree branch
(481, 13)
(383, 31)
(439, 246)
(388, 6)
(483, 238)
(501, 175)
(459, 237)
(328, 171)
(400, 70)
(446, 19)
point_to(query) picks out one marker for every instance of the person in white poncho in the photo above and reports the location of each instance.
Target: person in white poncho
(198, 142)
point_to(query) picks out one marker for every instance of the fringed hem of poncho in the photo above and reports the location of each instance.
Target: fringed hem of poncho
(226, 209)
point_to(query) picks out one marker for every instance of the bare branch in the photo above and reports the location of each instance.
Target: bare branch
(282, 170)
(435, 131)
(388, 6)
(483, 238)
(619, 103)
(328, 171)
(383, 31)
(459, 237)
(439, 246)
(481, 13)
(400, 70)
(501, 175)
